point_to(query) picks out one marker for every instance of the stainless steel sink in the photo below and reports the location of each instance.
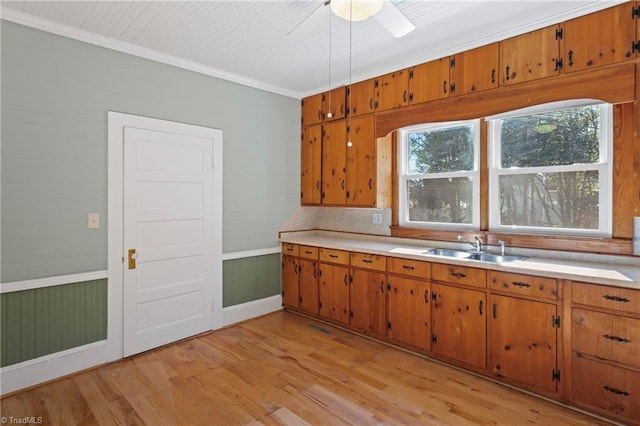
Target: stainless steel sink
(493, 258)
(481, 257)
(448, 253)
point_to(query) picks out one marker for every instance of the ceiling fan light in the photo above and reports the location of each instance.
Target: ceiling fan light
(361, 9)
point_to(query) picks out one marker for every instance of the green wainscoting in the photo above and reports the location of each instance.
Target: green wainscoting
(250, 278)
(46, 320)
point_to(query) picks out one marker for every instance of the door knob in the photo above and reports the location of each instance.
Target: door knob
(132, 258)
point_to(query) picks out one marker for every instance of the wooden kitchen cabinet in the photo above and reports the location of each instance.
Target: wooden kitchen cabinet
(456, 274)
(459, 324)
(367, 301)
(392, 90)
(409, 311)
(429, 81)
(361, 98)
(334, 163)
(600, 38)
(523, 341)
(474, 70)
(334, 104)
(530, 56)
(308, 279)
(290, 289)
(361, 163)
(312, 110)
(334, 292)
(311, 165)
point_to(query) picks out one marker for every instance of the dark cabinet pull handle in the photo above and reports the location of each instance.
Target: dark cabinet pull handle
(616, 298)
(333, 256)
(370, 183)
(480, 304)
(370, 103)
(315, 273)
(342, 110)
(404, 96)
(616, 338)
(318, 185)
(426, 296)
(495, 311)
(616, 391)
(444, 86)
(570, 58)
(458, 274)
(308, 252)
(493, 75)
(367, 261)
(408, 267)
(520, 284)
(346, 280)
(507, 73)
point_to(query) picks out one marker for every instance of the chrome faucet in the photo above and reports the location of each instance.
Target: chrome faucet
(477, 245)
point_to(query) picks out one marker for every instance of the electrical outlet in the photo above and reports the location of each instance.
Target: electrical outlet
(377, 218)
(93, 221)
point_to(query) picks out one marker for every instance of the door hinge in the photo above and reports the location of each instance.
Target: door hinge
(389, 325)
(635, 12)
(555, 375)
(559, 33)
(320, 305)
(635, 46)
(411, 97)
(555, 321)
(452, 88)
(434, 338)
(375, 84)
(351, 314)
(452, 63)
(434, 297)
(351, 279)
(558, 64)
(410, 74)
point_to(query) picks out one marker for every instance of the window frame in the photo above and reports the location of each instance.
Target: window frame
(604, 168)
(404, 176)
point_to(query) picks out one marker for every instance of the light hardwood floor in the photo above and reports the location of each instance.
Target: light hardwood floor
(281, 369)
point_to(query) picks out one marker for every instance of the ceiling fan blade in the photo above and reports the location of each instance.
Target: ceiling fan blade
(313, 21)
(393, 20)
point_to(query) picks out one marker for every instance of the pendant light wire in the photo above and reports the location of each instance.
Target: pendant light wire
(329, 113)
(349, 143)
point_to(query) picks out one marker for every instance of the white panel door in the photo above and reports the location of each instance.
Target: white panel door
(168, 237)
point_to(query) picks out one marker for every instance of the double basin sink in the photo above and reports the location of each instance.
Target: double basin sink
(479, 256)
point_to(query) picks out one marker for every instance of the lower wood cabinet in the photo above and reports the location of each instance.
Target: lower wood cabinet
(409, 311)
(290, 289)
(523, 341)
(334, 292)
(308, 286)
(458, 320)
(367, 301)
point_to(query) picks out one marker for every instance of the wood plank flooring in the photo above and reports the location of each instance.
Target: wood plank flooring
(281, 369)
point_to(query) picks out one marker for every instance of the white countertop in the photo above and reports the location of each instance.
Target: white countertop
(616, 271)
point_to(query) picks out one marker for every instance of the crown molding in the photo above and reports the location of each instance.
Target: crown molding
(131, 49)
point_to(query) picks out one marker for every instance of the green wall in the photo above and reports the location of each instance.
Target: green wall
(251, 278)
(55, 96)
(46, 320)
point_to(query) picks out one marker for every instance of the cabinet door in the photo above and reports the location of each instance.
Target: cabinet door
(308, 284)
(409, 311)
(600, 38)
(530, 56)
(334, 163)
(334, 104)
(334, 292)
(429, 81)
(367, 301)
(523, 342)
(459, 324)
(312, 110)
(361, 162)
(361, 98)
(392, 90)
(290, 292)
(310, 165)
(474, 70)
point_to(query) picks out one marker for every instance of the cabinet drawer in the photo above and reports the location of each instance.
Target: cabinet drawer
(334, 256)
(290, 249)
(612, 389)
(620, 299)
(369, 261)
(308, 252)
(525, 285)
(412, 268)
(606, 336)
(459, 275)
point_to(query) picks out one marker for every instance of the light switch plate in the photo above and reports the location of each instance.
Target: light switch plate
(93, 220)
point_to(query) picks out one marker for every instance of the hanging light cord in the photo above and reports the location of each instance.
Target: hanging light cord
(329, 113)
(349, 143)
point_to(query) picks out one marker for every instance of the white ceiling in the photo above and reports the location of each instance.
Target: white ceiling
(247, 41)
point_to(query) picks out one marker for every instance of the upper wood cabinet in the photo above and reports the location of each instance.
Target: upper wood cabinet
(530, 56)
(361, 162)
(310, 165)
(474, 70)
(429, 81)
(361, 98)
(334, 104)
(312, 109)
(392, 90)
(334, 163)
(600, 38)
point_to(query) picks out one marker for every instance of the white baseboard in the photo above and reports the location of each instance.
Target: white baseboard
(252, 309)
(52, 366)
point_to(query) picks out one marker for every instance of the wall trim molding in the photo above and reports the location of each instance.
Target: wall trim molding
(52, 281)
(251, 253)
(53, 366)
(255, 308)
(124, 47)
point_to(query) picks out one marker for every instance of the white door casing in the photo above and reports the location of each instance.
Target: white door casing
(171, 213)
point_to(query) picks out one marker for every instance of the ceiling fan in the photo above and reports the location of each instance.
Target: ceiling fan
(385, 12)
